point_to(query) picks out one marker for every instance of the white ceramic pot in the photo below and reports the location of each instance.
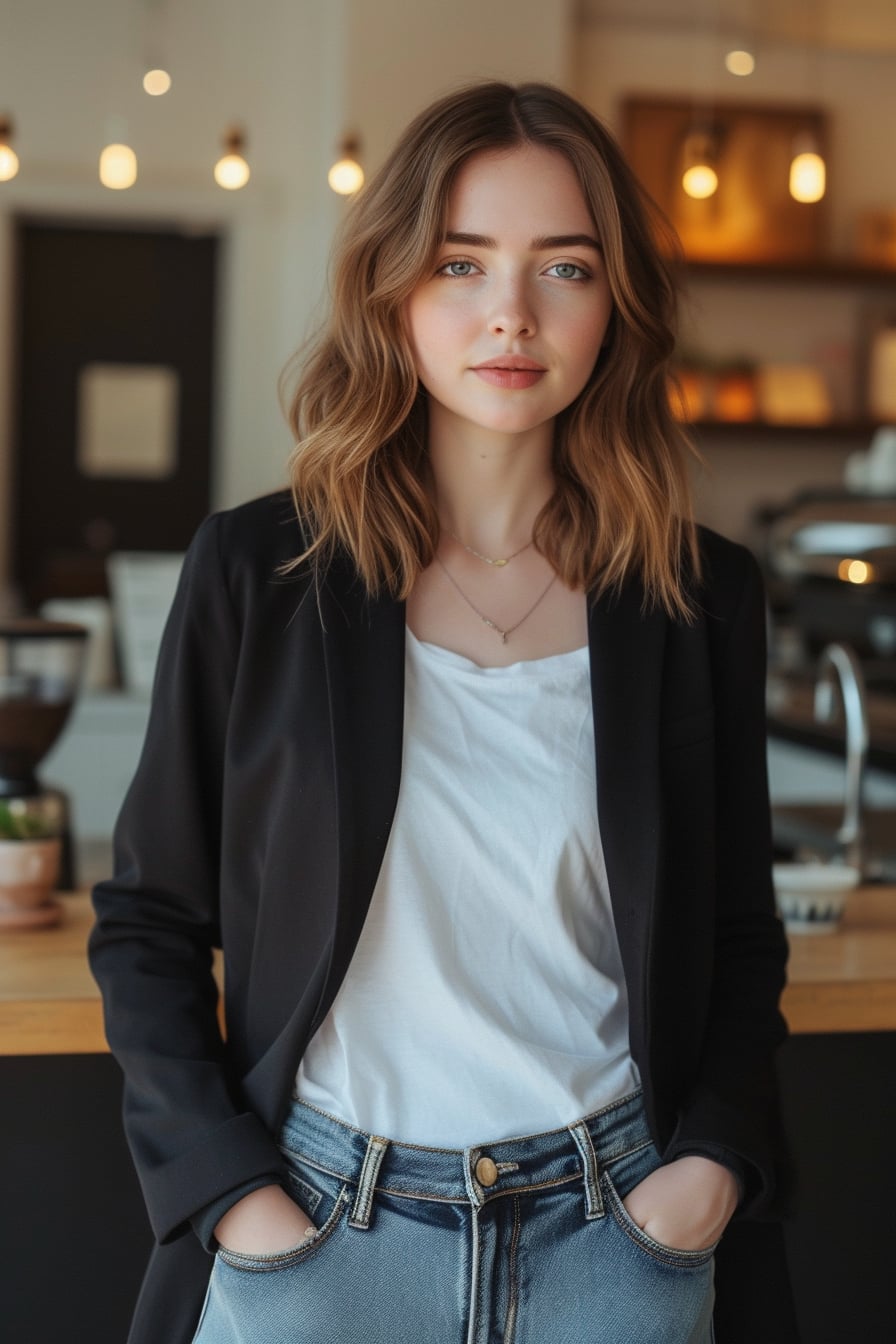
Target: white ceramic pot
(812, 896)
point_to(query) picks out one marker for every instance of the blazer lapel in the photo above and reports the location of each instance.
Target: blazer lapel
(364, 651)
(626, 653)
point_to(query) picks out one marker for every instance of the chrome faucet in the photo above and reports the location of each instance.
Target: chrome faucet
(838, 662)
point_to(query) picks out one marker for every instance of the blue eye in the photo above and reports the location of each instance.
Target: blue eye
(460, 269)
(568, 270)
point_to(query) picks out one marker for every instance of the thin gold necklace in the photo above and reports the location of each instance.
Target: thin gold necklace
(487, 620)
(496, 564)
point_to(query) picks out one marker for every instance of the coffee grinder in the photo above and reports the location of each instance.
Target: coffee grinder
(40, 673)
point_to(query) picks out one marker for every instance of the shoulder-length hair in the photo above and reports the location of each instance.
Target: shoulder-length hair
(359, 472)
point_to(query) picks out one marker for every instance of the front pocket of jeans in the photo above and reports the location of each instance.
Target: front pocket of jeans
(667, 1255)
(272, 1261)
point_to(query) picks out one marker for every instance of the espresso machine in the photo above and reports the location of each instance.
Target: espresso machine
(40, 673)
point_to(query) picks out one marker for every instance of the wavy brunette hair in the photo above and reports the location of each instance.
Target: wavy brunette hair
(359, 470)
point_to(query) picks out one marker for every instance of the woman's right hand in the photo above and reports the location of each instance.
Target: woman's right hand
(262, 1223)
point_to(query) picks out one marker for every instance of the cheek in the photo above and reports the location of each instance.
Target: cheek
(435, 328)
(590, 330)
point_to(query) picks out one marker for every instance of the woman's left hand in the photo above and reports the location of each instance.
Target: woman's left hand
(685, 1204)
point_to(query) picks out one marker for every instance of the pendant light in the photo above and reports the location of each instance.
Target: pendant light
(808, 173)
(700, 178)
(346, 175)
(118, 162)
(9, 159)
(156, 82)
(232, 171)
(154, 43)
(740, 61)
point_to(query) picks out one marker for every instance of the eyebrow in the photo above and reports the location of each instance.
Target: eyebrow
(545, 243)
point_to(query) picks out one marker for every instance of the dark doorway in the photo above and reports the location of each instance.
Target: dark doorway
(113, 420)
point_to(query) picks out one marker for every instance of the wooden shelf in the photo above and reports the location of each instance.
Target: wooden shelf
(820, 272)
(767, 429)
(866, 293)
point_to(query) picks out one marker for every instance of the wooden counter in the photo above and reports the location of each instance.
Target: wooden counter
(846, 981)
(49, 1004)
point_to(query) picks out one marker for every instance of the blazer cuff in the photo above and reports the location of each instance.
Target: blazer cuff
(237, 1153)
(742, 1171)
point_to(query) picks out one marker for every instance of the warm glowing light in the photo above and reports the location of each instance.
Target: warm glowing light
(346, 177)
(855, 571)
(118, 167)
(9, 163)
(9, 159)
(807, 177)
(700, 181)
(157, 82)
(232, 172)
(699, 155)
(740, 62)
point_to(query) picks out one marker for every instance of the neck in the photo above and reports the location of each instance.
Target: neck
(490, 488)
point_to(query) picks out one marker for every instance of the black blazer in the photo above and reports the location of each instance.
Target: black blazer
(258, 819)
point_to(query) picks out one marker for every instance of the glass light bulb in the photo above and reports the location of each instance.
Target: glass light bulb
(740, 62)
(157, 82)
(700, 181)
(346, 177)
(9, 163)
(118, 167)
(232, 172)
(807, 177)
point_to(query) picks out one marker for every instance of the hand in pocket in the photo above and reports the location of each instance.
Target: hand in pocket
(685, 1204)
(263, 1223)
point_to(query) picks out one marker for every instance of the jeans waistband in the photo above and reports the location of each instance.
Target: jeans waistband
(477, 1173)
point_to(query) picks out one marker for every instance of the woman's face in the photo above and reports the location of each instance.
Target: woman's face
(508, 324)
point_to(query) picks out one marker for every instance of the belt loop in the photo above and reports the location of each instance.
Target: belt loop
(373, 1160)
(594, 1203)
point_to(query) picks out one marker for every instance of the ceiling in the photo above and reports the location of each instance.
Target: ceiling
(856, 25)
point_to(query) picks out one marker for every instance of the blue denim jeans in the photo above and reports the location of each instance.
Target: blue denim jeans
(525, 1241)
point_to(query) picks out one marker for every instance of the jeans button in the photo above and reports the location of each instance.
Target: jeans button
(486, 1171)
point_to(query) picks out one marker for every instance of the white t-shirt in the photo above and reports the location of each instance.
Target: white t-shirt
(486, 997)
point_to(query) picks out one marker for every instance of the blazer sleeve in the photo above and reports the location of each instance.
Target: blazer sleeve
(192, 1137)
(734, 1100)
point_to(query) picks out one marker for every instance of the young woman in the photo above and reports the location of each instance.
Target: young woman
(457, 752)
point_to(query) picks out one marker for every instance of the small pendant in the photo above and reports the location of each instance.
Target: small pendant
(503, 634)
(498, 564)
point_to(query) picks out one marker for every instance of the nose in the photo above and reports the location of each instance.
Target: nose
(512, 313)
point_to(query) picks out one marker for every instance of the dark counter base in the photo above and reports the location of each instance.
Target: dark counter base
(74, 1237)
(839, 1098)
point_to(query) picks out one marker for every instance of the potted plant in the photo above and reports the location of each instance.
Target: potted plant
(30, 852)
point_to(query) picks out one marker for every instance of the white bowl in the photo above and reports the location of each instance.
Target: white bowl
(812, 896)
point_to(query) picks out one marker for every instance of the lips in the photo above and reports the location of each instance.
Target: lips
(510, 371)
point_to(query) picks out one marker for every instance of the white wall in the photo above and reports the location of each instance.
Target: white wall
(404, 53)
(274, 67)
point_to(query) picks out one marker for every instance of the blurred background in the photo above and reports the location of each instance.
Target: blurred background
(145, 318)
(166, 214)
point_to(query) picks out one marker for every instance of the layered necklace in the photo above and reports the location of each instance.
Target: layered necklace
(496, 564)
(504, 632)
